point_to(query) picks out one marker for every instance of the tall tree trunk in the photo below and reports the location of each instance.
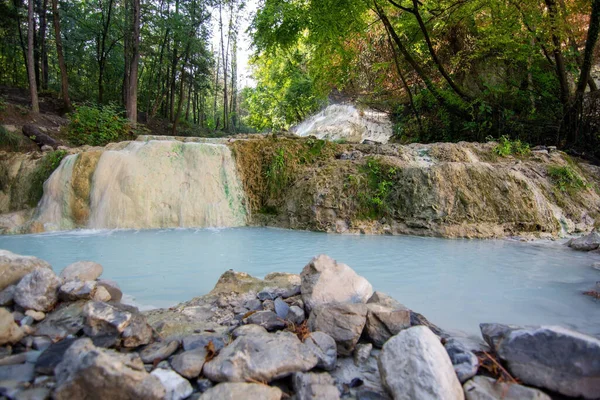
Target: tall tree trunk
(17, 4)
(43, 44)
(216, 89)
(225, 56)
(35, 106)
(590, 45)
(233, 106)
(134, 42)
(559, 61)
(64, 80)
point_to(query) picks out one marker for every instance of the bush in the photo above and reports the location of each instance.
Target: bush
(566, 179)
(97, 126)
(10, 139)
(49, 163)
(507, 147)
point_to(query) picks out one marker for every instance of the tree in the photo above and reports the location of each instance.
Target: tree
(132, 58)
(64, 79)
(35, 106)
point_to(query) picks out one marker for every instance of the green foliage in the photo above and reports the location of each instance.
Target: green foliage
(277, 173)
(9, 139)
(49, 163)
(507, 147)
(97, 126)
(2, 104)
(372, 188)
(566, 179)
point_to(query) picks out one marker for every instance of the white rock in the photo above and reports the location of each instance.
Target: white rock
(13, 267)
(414, 365)
(326, 281)
(82, 271)
(38, 290)
(177, 387)
(239, 390)
(9, 330)
(484, 388)
(36, 315)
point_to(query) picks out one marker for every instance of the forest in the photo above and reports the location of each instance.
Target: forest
(444, 70)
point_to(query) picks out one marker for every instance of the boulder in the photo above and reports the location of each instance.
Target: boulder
(102, 319)
(101, 294)
(464, 361)
(237, 390)
(37, 290)
(112, 288)
(362, 352)
(586, 243)
(323, 346)
(17, 372)
(81, 271)
(137, 332)
(74, 290)
(267, 319)
(326, 281)
(40, 393)
(264, 357)
(176, 387)
(92, 373)
(485, 388)
(385, 300)
(189, 363)
(281, 308)
(362, 381)
(295, 315)
(158, 351)
(384, 322)
(343, 322)
(248, 330)
(414, 365)
(10, 332)
(13, 267)
(313, 386)
(7, 295)
(202, 340)
(552, 357)
(66, 319)
(52, 356)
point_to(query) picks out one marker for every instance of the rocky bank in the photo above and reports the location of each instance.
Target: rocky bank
(323, 334)
(440, 189)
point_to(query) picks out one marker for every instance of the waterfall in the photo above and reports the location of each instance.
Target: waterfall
(153, 184)
(346, 122)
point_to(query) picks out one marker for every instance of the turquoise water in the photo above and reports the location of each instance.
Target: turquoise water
(455, 283)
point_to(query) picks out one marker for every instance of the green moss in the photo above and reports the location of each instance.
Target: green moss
(49, 163)
(566, 179)
(371, 187)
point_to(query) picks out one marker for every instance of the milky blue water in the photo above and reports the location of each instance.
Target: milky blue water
(455, 283)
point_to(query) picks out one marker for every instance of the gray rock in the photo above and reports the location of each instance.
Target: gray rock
(494, 333)
(86, 369)
(13, 267)
(10, 332)
(112, 288)
(281, 308)
(67, 319)
(41, 343)
(323, 346)
(326, 281)
(203, 384)
(386, 301)
(343, 322)
(17, 372)
(484, 388)
(268, 305)
(10, 388)
(253, 305)
(82, 271)
(26, 321)
(415, 365)
(7, 295)
(361, 380)
(37, 290)
(554, 358)
(158, 351)
(384, 322)
(192, 342)
(586, 243)
(77, 290)
(39, 393)
(295, 315)
(102, 319)
(52, 356)
(237, 390)
(189, 363)
(313, 386)
(137, 332)
(176, 387)
(464, 361)
(362, 352)
(248, 330)
(264, 358)
(267, 319)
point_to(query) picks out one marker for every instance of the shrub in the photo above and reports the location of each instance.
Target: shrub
(507, 147)
(10, 139)
(49, 163)
(97, 126)
(372, 188)
(566, 179)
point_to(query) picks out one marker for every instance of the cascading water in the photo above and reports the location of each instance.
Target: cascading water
(154, 184)
(346, 122)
